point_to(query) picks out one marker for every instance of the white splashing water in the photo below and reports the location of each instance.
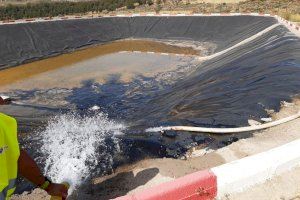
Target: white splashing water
(71, 144)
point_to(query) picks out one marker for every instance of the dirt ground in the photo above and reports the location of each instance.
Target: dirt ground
(150, 172)
(216, 1)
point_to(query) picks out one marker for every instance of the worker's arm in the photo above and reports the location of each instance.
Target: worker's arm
(29, 169)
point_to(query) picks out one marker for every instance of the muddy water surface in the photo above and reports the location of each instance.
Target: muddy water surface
(25, 71)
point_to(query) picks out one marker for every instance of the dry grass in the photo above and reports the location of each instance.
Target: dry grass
(290, 17)
(216, 1)
(219, 1)
(277, 7)
(17, 2)
(295, 18)
(288, 9)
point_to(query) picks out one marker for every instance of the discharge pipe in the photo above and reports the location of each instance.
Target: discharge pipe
(224, 130)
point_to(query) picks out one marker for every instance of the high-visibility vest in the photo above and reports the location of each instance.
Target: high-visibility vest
(9, 154)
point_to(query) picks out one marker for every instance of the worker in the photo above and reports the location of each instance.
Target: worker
(14, 160)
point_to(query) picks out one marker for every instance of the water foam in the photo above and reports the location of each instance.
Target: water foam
(74, 146)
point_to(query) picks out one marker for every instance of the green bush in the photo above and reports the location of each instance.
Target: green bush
(149, 2)
(158, 8)
(50, 9)
(130, 4)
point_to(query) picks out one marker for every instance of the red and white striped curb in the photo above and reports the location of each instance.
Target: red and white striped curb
(229, 178)
(200, 185)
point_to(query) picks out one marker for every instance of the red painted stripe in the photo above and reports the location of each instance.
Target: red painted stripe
(200, 185)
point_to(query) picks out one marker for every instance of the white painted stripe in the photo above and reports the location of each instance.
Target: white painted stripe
(150, 14)
(163, 14)
(239, 175)
(164, 54)
(216, 14)
(267, 14)
(255, 14)
(121, 15)
(150, 52)
(135, 15)
(137, 52)
(181, 14)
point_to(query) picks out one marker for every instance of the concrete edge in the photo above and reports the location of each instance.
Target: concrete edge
(239, 175)
(200, 185)
(225, 179)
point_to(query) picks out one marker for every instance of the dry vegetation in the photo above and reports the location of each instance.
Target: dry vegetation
(289, 9)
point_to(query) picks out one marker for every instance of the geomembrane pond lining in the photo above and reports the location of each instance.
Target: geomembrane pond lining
(224, 91)
(24, 42)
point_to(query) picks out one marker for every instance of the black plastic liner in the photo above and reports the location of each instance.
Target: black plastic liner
(20, 43)
(229, 89)
(224, 91)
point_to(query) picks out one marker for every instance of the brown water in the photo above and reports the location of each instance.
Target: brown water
(123, 67)
(8, 76)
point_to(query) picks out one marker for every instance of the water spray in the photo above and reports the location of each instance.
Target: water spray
(75, 146)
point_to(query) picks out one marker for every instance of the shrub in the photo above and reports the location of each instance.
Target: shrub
(130, 4)
(50, 9)
(158, 8)
(149, 2)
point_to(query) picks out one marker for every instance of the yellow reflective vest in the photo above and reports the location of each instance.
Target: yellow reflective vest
(9, 154)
